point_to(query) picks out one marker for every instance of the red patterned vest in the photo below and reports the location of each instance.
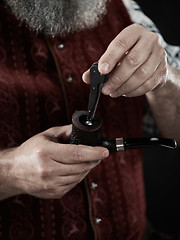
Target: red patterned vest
(41, 87)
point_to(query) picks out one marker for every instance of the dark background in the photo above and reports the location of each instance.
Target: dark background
(161, 166)
(166, 16)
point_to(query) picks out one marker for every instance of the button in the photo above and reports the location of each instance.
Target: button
(94, 186)
(98, 221)
(60, 46)
(69, 79)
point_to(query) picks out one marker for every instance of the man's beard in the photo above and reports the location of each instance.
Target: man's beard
(58, 16)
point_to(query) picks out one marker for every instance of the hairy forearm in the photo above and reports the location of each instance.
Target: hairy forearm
(7, 180)
(165, 105)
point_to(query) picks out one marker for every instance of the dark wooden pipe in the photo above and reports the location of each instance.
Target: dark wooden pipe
(89, 133)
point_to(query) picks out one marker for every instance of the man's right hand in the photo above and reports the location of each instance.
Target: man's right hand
(46, 166)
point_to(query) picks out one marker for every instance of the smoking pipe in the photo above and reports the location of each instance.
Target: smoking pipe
(90, 134)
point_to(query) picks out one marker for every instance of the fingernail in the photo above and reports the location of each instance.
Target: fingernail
(104, 67)
(84, 78)
(114, 94)
(105, 154)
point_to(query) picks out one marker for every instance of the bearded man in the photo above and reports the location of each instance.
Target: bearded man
(50, 189)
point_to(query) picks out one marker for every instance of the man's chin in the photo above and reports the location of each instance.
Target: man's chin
(52, 18)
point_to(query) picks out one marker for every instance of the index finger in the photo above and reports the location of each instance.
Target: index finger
(123, 42)
(70, 153)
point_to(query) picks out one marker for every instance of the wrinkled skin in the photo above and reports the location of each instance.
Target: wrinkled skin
(46, 166)
(136, 62)
(137, 65)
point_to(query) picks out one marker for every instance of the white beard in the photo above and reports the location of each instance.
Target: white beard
(54, 17)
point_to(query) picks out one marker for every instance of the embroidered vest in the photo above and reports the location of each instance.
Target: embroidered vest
(41, 87)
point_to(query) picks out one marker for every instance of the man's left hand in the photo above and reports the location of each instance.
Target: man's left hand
(135, 61)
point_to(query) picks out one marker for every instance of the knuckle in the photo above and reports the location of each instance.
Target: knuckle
(40, 152)
(142, 72)
(138, 26)
(132, 58)
(77, 154)
(115, 81)
(161, 80)
(155, 38)
(162, 53)
(121, 43)
(147, 86)
(56, 192)
(47, 187)
(42, 171)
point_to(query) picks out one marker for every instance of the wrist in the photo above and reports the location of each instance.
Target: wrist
(8, 178)
(172, 82)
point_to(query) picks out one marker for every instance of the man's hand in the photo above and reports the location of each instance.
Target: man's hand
(136, 62)
(46, 166)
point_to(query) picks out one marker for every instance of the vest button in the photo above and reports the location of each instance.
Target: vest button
(60, 46)
(98, 221)
(94, 186)
(69, 79)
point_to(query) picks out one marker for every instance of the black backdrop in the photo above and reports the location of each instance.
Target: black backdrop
(166, 16)
(162, 167)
